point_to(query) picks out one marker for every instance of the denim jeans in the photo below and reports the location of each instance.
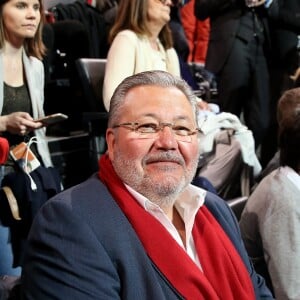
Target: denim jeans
(6, 253)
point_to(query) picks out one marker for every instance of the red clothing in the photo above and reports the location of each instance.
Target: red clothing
(224, 272)
(4, 150)
(197, 33)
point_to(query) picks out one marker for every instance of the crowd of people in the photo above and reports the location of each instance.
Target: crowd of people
(138, 228)
(154, 222)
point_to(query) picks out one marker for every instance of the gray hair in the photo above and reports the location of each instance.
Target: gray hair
(157, 78)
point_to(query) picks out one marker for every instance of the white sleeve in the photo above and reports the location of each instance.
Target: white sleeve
(120, 63)
(173, 65)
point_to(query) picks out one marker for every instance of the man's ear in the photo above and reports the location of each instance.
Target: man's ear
(110, 140)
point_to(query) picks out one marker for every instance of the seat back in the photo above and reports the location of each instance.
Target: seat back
(91, 73)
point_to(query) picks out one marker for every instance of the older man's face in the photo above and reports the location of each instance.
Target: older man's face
(163, 164)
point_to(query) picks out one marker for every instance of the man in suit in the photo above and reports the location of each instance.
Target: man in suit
(284, 17)
(236, 55)
(138, 229)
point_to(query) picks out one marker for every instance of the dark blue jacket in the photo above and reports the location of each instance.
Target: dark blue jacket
(82, 247)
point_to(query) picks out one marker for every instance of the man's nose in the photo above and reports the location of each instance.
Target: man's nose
(166, 138)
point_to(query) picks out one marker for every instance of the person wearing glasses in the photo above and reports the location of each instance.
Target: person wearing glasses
(138, 229)
(141, 40)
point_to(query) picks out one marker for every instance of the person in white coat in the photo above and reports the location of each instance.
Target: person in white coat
(21, 92)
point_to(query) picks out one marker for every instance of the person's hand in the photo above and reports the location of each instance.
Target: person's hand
(203, 105)
(19, 123)
(209, 107)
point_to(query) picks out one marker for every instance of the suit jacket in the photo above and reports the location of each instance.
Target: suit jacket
(35, 76)
(285, 25)
(225, 17)
(81, 246)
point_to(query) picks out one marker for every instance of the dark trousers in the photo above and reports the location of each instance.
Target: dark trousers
(244, 86)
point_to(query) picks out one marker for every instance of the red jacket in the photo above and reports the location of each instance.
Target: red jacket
(197, 33)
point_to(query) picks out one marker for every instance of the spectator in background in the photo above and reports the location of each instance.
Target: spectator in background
(288, 106)
(181, 44)
(105, 5)
(284, 16)
(141, 40)
(197, 33)
(285, 32)
(271, 218)
(21, 92)
(138, 229)
(179, 38)
(236, 55)
(109, 9)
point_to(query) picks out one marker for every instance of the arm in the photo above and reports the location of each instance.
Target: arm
(281, 241)
(120, 63)
(18, 123)
(259, 283)
(65, 260)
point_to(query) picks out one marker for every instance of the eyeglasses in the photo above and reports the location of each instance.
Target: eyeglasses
(151, 130)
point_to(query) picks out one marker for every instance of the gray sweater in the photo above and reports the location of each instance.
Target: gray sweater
(270, 226)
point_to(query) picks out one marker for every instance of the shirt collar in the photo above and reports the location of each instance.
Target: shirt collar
(187, 204)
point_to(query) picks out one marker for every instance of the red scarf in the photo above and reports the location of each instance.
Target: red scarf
(224, 274)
